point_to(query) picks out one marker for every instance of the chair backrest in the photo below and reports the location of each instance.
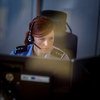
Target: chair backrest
(64, 40)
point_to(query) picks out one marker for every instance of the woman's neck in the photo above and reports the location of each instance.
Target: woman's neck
(37, 52)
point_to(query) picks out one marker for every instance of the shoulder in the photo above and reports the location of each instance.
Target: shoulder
(21, 50)
(57, 52)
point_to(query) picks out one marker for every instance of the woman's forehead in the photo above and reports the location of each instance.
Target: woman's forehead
(51, 34)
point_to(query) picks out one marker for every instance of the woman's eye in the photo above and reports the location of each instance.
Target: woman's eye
(51, 38)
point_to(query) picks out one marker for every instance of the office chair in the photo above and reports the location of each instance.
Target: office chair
(67, 41)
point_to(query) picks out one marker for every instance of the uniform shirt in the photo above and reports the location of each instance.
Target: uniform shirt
(27, 51)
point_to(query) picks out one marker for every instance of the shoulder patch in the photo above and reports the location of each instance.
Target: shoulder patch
(20, 49)
(58, 53)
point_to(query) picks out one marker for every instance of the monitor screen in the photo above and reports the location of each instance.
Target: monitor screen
(85, 78)
(26, 78)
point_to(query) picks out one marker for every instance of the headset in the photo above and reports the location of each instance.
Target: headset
(30, 37)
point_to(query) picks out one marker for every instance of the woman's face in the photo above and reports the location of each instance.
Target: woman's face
(45, 43)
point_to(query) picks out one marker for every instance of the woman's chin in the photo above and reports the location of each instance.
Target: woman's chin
(46, 51)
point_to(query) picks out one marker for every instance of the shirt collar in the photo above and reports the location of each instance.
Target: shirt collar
(30, 52)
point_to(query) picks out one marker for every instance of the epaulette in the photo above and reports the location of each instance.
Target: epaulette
(58, 53)
(20, 49)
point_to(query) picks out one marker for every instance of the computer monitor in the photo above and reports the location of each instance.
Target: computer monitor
(85, 77)
(34, 78)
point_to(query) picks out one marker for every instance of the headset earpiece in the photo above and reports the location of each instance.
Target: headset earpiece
(30, 37)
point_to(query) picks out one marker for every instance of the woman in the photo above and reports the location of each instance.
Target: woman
(39, 40)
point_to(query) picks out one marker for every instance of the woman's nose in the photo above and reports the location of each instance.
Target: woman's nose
(46, 42)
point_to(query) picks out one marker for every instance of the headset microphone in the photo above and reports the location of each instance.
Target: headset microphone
(36, 45)
(30, 37)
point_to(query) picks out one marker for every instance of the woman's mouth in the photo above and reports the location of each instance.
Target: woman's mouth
(46, 48)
